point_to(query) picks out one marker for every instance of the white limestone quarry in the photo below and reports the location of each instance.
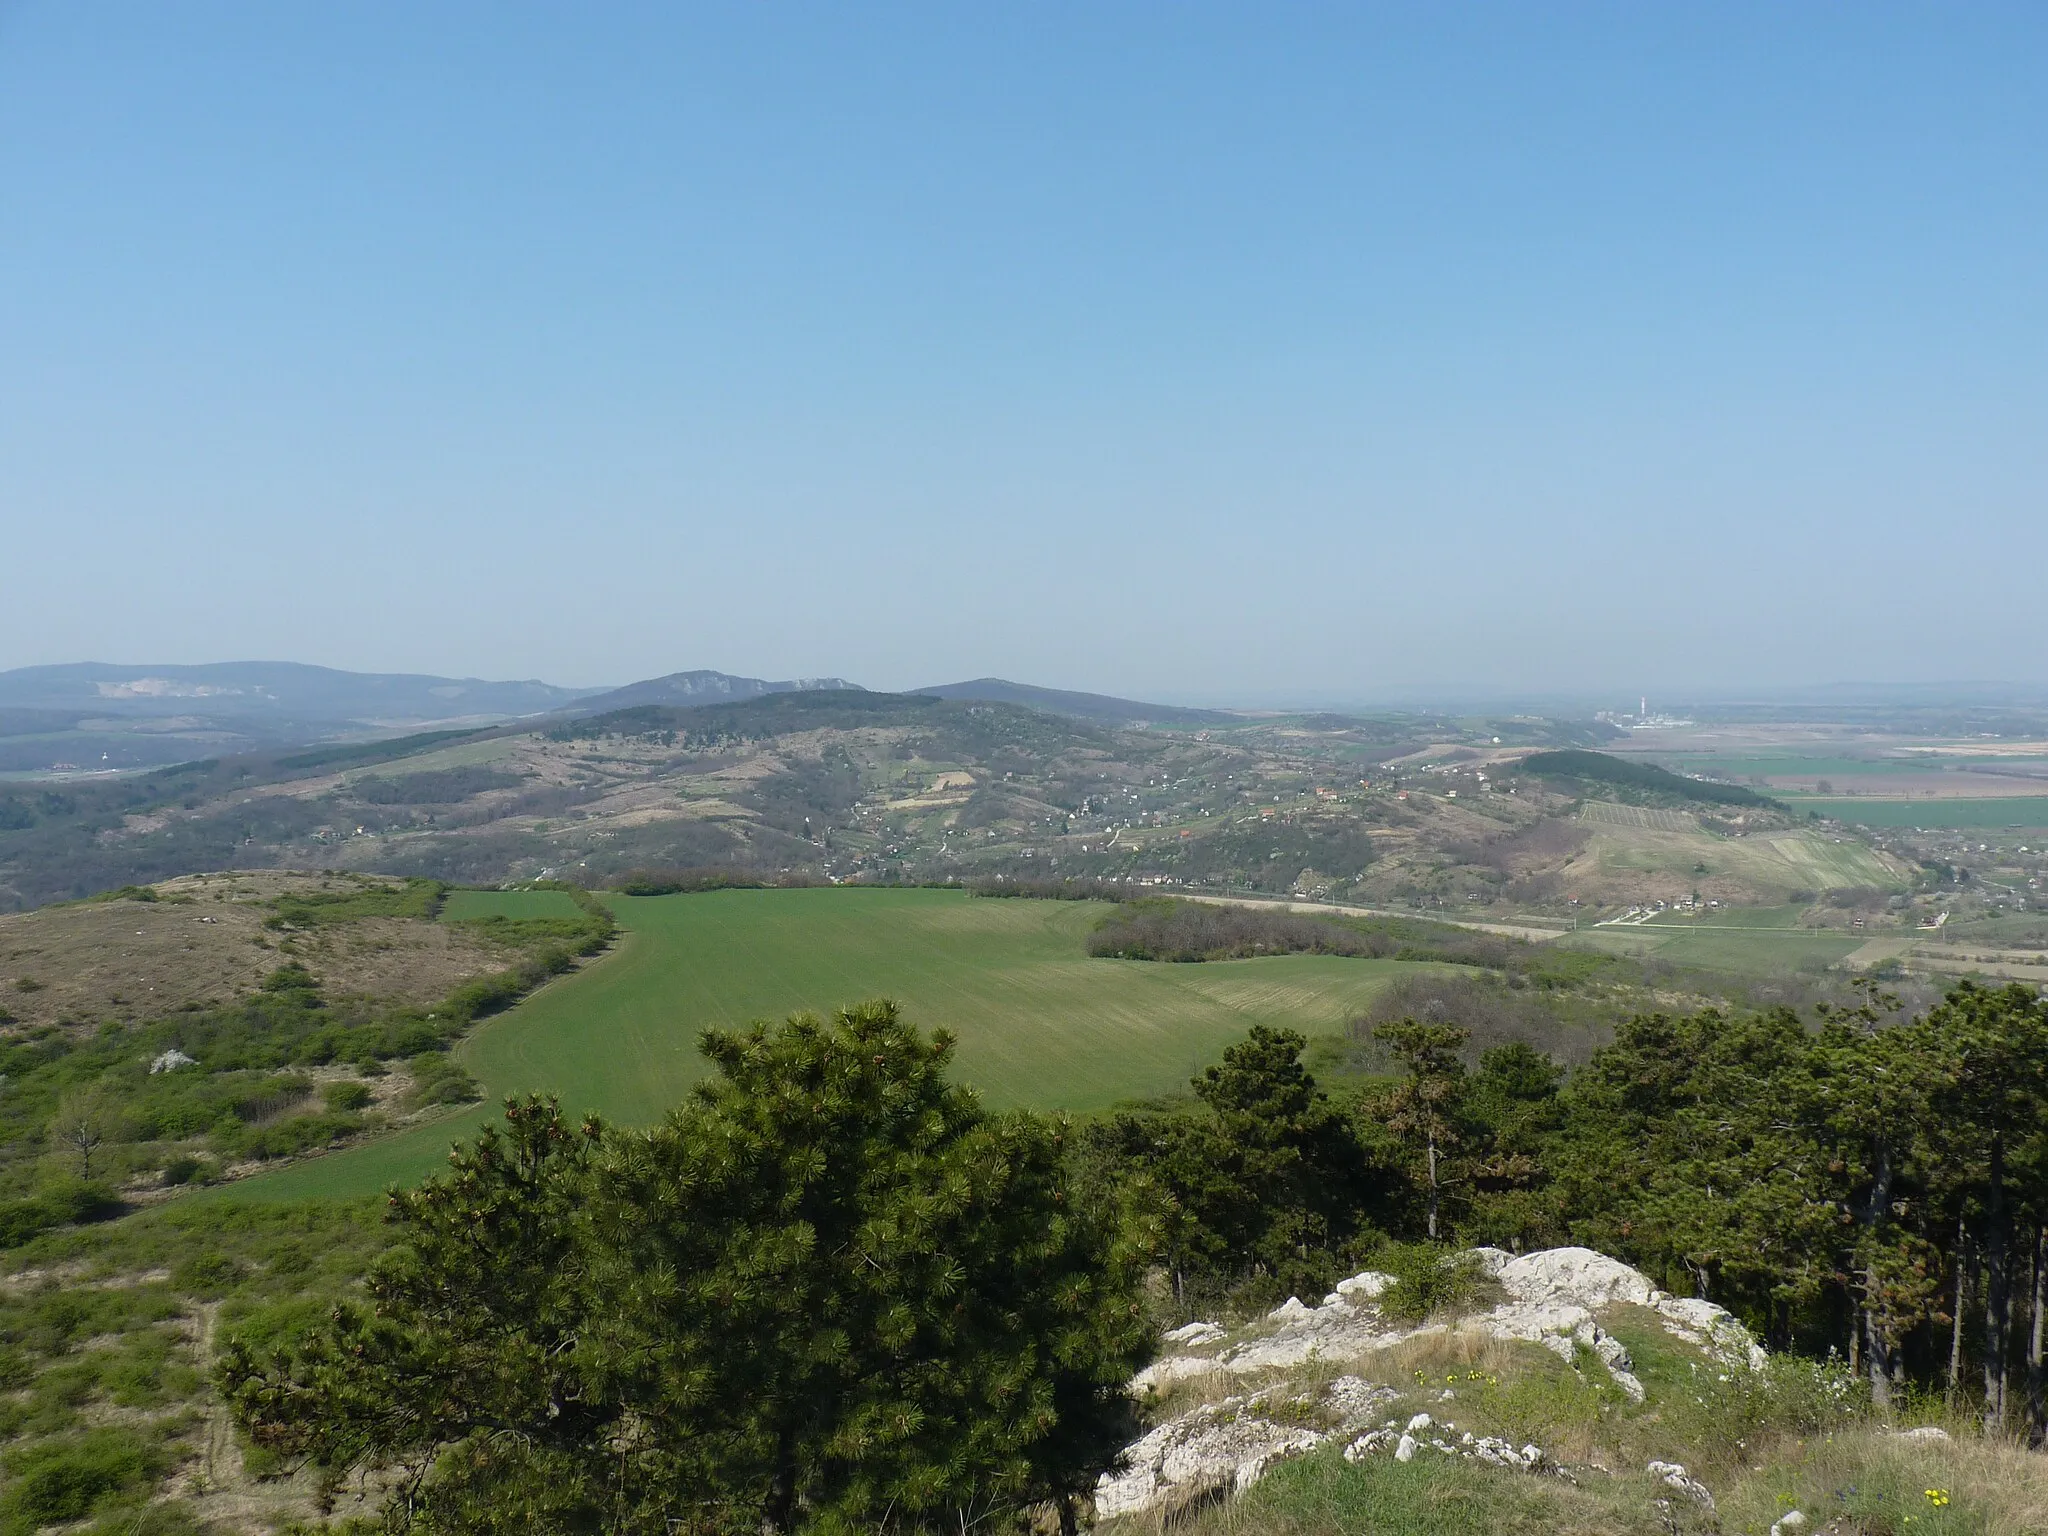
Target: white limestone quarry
(1550, 1298)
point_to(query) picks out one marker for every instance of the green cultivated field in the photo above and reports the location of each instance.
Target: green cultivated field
(1040, 1023)
(1726, 943)
(2029, 811)
(512, 904)
(1786, 861)
(1789, 765)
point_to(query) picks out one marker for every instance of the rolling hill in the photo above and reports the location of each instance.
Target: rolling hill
(687, 690)
(1080, 706)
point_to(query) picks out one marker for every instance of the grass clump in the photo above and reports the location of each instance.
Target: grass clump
(414, 899)
(66, 1478)
(1322, 1495)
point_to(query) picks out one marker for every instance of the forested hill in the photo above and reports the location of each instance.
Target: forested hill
(1639, 783)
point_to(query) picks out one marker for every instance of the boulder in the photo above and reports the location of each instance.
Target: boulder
(1212, 1450)
(1574, 1277)
(1366, 1286)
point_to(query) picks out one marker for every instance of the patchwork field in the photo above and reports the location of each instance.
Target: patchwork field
(1040, 1023)
(2028, 811)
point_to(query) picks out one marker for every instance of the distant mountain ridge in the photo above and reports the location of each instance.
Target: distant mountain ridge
(1078, 706)
(686, 690)
(97, 716)
(281, 690)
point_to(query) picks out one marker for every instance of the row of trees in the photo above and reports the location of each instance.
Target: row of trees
(1864, 1183)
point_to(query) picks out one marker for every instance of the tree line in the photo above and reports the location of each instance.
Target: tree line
(1858, 1182)
(833, 1292)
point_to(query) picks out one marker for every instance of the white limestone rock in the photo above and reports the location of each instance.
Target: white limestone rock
(1214, 1449)
(1491, 1261)
(1370, 1443)
(1353, 1401)
(1712, 1328)
(1573, 1277)
(1366, 1286)
(1161, 1374)
(1676, 1478)
(1550, 1299)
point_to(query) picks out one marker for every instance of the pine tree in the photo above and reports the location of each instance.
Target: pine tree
(830, 1292)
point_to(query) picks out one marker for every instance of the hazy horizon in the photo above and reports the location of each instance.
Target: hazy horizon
(1216, 355)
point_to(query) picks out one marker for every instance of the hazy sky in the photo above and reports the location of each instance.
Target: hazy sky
(1239, 353)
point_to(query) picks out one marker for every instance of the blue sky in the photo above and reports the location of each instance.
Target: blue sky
(1244, 353)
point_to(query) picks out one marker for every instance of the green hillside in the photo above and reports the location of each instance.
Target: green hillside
(1640, 782)
(1040, 1023)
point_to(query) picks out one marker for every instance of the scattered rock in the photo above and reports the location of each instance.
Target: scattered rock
(1932, 1434)
(1292, 1310)
(1354, 1401)
(1369, 1443)
(1490, 1449)
(171, 1061)
(1676, 1478)
(1420, 1422)
(1194, 1335)
(1788, 1523)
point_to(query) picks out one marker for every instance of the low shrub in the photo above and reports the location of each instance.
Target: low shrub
(67, 1479)
(1427, 1280)
(60, 1205)
(348, 1094)
(438, 1079)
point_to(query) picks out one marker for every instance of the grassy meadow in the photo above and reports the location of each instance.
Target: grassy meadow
(1739, 948)
(1767, 868)
(1040, 1024)
(515, 905)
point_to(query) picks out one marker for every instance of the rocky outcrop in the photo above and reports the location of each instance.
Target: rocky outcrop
(1551, 1298)
(1224, 1448)
(1548, 1298)
(1422, 1432)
